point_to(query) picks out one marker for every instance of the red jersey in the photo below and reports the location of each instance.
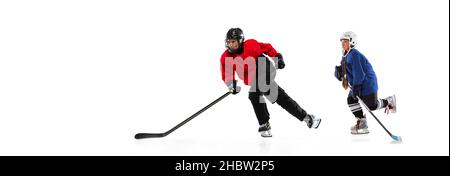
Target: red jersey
(244, 63)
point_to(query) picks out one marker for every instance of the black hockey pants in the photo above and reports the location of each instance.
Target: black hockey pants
(282, 98)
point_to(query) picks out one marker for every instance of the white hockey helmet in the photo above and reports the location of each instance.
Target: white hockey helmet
(351, 37)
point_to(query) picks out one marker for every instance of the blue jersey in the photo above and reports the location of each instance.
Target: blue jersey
(360, 72)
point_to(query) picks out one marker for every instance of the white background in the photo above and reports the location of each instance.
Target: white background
(82, 77)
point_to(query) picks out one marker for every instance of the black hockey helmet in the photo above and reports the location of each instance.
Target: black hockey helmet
(237, 34)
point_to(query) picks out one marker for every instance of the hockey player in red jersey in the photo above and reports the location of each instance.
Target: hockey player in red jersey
(249, 60)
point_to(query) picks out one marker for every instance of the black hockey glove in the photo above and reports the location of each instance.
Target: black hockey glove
(280, 63)
(338, 73)
(357, 90)
(233, 87)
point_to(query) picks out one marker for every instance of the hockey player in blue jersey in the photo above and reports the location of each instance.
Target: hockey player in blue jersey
(357, 73)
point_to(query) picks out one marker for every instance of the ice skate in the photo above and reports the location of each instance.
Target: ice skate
(360, 127)
(264, 130)
(312, 121)
(392, 105)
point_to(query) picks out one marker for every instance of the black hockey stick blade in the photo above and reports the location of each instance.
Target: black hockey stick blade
(160, 135)
(149, 135)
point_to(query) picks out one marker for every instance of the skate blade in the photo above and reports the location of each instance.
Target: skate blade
(394, 110)
(266, 134)
(359, 132)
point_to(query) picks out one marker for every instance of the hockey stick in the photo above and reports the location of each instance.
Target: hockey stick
(158, 135)
(396, 138)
